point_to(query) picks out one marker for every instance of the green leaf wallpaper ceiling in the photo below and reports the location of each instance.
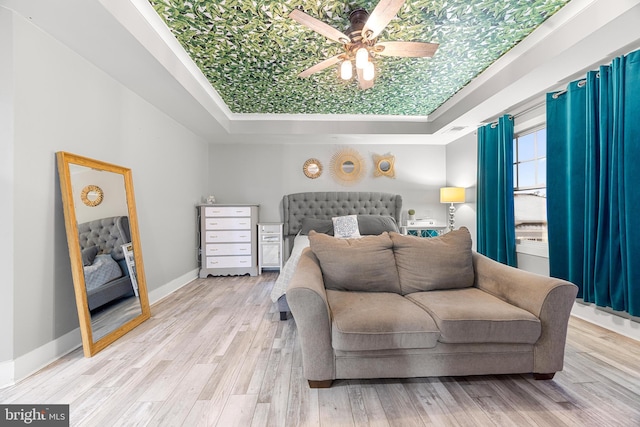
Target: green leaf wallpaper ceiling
(252, 52)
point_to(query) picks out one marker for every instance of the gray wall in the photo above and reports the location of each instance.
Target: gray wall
(61, 102)
(6, 188)
(263, 173)
(462, 166)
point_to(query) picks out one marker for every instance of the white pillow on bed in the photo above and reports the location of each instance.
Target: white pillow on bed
(346, 227)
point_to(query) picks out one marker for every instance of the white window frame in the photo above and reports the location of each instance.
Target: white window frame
(536, 248)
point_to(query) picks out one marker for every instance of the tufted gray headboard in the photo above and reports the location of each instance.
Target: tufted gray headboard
(106, 233)
(325, 205)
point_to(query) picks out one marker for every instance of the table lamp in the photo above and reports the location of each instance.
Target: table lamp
(451, 195)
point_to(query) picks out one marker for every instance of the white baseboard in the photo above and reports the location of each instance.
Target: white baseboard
(598, 316)
(6, 373)
(12, 371)
(15, 370)
(169, 288)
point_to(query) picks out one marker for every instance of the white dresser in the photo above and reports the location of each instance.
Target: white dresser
(228, 240)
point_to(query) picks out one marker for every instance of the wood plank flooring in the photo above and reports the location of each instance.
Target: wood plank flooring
(216, 354)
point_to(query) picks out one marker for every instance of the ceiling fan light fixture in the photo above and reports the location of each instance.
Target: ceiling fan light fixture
(368, 71)
(362, 57)
(346, 70)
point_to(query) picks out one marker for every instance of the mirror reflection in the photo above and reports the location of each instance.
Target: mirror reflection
(348, 166)
(92, 195)
(104, 249)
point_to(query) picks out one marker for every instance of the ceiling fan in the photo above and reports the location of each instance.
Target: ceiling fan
(361, 42)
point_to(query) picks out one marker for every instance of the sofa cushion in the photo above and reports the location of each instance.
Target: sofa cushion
(363, 264)
(425, 264)
(474, 316)
(378, 321)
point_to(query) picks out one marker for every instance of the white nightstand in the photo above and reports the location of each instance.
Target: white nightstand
(270, 246)
(424, 227)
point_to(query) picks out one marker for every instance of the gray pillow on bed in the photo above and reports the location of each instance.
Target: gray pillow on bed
(89, 254)
(367, 224)
(324, 226)
(376, 224)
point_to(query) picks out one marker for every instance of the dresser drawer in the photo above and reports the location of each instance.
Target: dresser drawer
(216, 211)
(227, 223)
(228, 249)
(228, 261)
(228, 236)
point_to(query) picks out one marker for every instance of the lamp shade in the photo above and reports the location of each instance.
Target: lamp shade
(362, 57)
(452, 195)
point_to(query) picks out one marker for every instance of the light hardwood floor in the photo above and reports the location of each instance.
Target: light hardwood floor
(215, 353)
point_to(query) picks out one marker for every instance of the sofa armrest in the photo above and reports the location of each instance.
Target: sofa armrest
(307, 300)
(550, 299)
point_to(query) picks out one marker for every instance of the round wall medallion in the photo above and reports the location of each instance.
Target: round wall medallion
(312, 168)
(92, 195)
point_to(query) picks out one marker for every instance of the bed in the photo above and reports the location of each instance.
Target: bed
(105, 269)
(300, 209)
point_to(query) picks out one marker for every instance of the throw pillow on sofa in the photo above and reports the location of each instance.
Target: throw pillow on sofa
(426, 264)
(365, 264)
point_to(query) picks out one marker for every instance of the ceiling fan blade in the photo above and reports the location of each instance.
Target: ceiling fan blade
(321, 66)
(380, 17)
(406, 49)
(362, 83)
(318, 26)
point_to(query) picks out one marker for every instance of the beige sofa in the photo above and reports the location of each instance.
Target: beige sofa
(395, 306)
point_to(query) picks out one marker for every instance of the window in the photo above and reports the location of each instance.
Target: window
(530, 185)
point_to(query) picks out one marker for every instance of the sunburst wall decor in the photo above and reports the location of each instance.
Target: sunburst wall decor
(347, 166)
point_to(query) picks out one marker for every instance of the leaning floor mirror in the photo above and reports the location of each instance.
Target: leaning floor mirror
(104, 249)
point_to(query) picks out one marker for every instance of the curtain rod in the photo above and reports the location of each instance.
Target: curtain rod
(521, 113)
(494, 124)
(581, 83)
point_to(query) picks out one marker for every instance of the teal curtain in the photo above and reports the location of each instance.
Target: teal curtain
(495, 219)
(593, 171)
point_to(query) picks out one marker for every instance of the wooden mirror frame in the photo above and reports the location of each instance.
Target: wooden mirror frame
(312, 168)
(347, 156)
(378, 160)
(90, 346)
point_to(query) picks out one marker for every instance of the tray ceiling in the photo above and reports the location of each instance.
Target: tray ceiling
(251, 52)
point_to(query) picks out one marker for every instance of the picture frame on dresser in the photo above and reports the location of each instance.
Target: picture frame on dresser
(228, 239)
